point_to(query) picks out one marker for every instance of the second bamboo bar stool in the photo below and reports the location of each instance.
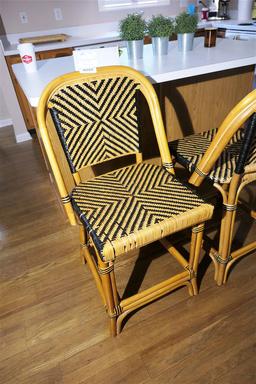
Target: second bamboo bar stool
(88, 119)
(227, 157)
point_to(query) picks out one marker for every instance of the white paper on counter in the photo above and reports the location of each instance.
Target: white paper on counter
(87, 60)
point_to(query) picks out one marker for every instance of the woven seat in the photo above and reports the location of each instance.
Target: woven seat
(133, 206)
(87, 120)
(190, 151)
(227, 157)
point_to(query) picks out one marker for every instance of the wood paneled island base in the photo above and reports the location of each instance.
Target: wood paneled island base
(195, 104)
(200, 103)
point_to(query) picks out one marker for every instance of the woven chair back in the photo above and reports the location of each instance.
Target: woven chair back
(96, 119)
(244, 111)
(247, 150)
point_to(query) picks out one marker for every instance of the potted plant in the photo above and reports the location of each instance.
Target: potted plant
(132, 30)
(185, 27)
(160, 29)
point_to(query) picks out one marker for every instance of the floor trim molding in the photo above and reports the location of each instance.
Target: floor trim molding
(23, 137)
(5, 123)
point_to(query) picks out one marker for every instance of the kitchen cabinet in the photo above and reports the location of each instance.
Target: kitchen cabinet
(27, 111)
(24, 105)
(55, 53)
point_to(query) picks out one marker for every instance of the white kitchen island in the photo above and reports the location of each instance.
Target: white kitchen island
(196, 89)
(176, 65)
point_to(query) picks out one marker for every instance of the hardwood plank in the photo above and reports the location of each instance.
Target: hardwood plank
(53, 325)
(196, 351)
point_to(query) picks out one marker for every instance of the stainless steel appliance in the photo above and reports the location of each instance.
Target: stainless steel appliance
(218, 10)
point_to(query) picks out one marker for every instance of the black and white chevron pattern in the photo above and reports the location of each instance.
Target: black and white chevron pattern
(96, 121)
(190, 150)
(125, 201)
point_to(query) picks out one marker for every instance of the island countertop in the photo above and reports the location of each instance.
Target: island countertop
(176, 65)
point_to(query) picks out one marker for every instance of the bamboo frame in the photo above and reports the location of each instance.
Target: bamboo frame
(102, 269)
(235, 119)
(224, 258)
(118, 309)
(68, 79)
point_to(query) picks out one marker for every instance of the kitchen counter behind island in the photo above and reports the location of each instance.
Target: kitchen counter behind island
(196, 89)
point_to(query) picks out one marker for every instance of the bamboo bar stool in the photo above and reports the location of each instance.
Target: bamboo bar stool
(227, 157)
(87, 119)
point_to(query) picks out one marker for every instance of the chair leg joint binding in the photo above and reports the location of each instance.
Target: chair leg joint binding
(200, 173)
(117, 312)
(198, 228)
(107, 270)
(192, 273)
(219, 259)
(230, 207)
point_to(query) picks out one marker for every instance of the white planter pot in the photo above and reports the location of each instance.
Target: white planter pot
(185, 41)
(160, 46)
(135, 49)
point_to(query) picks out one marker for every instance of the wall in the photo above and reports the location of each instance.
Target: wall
(4, 113)
(75, 12)
(9, 95)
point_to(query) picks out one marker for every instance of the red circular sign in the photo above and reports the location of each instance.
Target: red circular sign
(27, 59)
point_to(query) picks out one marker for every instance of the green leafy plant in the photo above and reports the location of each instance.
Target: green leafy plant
(160, 26)
(185, 23)
(132, 27)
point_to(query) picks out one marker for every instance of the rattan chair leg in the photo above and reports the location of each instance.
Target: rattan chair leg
(227, 228)
(224, 253)
(196, 245)
(83, 241)
(223, 233)
(91, 264)
(195, 249)
(225, 246)
(88, 258)
(213, 255)
(115, 292)
(106, 271)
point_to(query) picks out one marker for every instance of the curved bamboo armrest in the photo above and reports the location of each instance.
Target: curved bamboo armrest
(234, 120)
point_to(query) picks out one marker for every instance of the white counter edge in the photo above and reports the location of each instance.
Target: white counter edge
(227, 55)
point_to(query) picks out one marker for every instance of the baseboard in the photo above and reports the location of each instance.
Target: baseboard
(19, 138)
(5, 122)
(23, 137)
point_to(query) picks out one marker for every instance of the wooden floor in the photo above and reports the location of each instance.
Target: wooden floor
(53, 326)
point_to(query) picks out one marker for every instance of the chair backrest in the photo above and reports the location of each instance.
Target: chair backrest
(247, 150)
(242, 112)
(95, 119)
